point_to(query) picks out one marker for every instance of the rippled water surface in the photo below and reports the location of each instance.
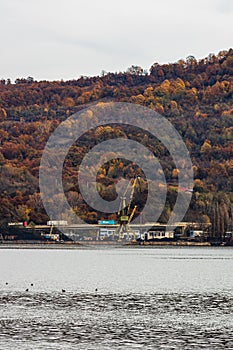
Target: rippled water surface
(158, 298)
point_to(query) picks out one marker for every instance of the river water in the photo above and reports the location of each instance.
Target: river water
(146, 298)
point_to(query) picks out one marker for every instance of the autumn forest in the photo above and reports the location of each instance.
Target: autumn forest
(195, 95)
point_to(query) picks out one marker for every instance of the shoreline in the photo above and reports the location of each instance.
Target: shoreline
(97, 244)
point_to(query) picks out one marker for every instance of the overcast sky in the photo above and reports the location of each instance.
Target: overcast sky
(58, 39)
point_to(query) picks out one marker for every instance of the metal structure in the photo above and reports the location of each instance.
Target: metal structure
(125, 214)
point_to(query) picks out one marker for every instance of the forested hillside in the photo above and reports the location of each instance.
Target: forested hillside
(195, 95)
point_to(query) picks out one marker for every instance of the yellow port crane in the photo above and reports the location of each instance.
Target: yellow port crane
(125, 215)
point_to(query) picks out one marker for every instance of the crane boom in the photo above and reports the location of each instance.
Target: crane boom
(125, 217)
